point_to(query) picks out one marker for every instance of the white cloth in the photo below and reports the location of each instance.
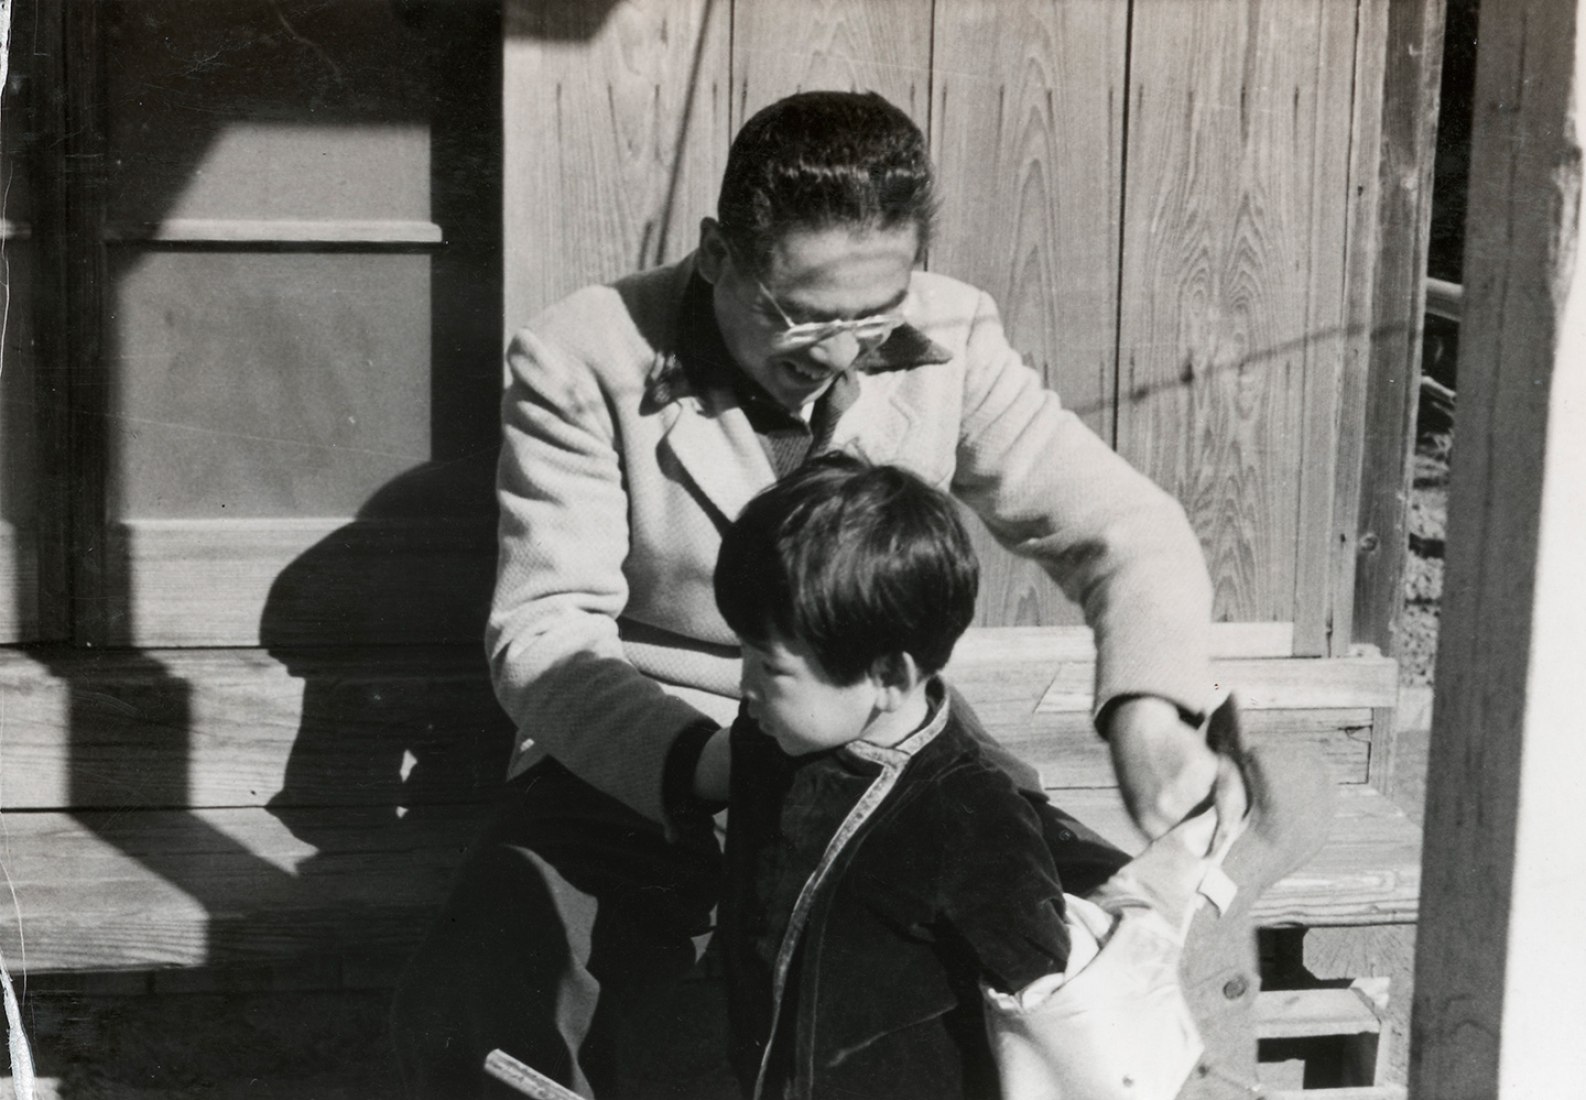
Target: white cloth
(1115, 1025)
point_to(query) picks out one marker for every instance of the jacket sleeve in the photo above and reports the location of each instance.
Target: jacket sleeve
(998, 888)
(556, 659)
(1051, 489)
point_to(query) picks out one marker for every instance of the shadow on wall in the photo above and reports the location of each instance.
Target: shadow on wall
(382, 620)
(392, 727)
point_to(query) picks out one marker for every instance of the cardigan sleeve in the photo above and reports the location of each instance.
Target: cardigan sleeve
(1050, 489)
(557, 660)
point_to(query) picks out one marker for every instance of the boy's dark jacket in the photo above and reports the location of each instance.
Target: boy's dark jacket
(908, 874)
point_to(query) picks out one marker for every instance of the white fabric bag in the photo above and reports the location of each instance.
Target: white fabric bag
(1115, 1025)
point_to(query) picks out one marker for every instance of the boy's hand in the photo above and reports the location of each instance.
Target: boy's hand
(1163, 764)
(713, 768)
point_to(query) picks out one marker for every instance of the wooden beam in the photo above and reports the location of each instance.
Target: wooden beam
(1500, 986)
(144, 889)
(1411, 84)
(52, 313)
(300, 581)
(1362, 243)
(1444, 299)
(305, 724)
(264, 231)
(88, 385)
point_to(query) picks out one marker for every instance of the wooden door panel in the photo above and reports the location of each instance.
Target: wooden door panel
(1236, 189)
(1026, 129)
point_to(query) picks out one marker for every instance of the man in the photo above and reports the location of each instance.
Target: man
(638, 419)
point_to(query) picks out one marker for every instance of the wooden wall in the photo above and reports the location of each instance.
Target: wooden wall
(1173, 201)
(263, 394)
(264, 372)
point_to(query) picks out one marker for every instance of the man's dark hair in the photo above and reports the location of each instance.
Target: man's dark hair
(857, 562)
(818, 160)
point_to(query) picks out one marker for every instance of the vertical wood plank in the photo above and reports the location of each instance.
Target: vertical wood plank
(1500, 987)
(1334, 72)
(48, 166)
(1027, 127)
(1411, 86)
(780, 48)
(615, 134)
(24, 283)
(88, 383)
(1224, 201)
(1361, 244)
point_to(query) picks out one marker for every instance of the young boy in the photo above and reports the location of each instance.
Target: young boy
(880, 868)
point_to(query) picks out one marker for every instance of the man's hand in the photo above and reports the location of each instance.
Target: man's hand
(1164, 766)
(713, 768)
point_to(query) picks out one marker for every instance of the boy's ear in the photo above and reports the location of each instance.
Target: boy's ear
(895, 677)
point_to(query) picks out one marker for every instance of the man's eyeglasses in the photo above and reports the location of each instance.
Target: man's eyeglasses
(796, 336)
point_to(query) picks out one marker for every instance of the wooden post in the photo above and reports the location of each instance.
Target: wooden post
(1383, 424)
(1501, 970)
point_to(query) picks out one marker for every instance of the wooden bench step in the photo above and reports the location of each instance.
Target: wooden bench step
(148, 889)
(1368, 872)
(401, 725)
(1359, 1092)
(108, 890)
(1310, 1013)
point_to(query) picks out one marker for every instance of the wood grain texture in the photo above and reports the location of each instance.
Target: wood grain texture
(23, 508)
(1334, 75)
(615, 131)
(374, 726)
(87, 385)
(1500, 981)
(242, 231)
(1291, 1013)
(285, 582)
(160, 888)
(171, 888)
(1065, 749)
(1362, 243)
(1408, 140)
(52, 308)
(1026, 129)
(303, 724)
(19, 584)
(780, 48)
(1263, 684)
(1227, 305)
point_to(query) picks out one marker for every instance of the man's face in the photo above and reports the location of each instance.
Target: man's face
(837, 274)
(792, 698)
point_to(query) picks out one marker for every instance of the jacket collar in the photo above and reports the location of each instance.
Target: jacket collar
(711, 410)
(900, 754)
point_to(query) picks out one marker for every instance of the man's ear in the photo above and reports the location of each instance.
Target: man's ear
(895, 677)
(712, 250)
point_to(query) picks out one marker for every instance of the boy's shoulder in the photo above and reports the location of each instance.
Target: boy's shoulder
(960, 775)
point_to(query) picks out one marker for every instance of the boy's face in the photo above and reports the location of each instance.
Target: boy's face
(798, 703)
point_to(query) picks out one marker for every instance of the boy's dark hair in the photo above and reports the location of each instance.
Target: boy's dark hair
(857, 562)
(816, 160)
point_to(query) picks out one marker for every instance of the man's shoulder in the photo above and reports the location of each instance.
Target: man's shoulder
(614, 324)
